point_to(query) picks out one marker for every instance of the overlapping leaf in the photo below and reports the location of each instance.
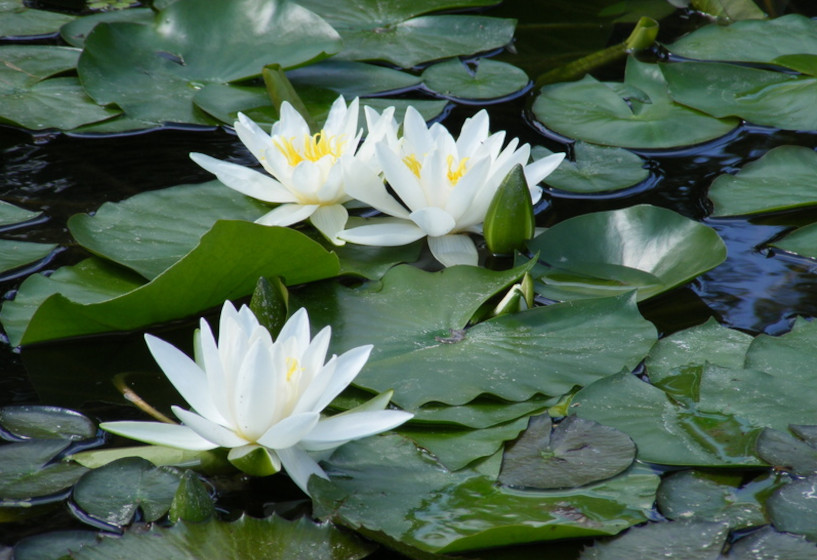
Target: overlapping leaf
(595, 169)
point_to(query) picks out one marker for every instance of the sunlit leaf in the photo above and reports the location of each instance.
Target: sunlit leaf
(595, 169)
(484, 79)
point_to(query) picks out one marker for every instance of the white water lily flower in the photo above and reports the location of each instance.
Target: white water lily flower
(308, 172)
(257, 396)
(442, 187)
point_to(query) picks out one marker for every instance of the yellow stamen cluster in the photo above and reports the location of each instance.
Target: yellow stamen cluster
(314, 147)
(292, 366)
(455, 175)
(413, 164)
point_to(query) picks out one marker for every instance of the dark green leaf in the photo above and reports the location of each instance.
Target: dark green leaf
(192, 502)
(75, 32)
(14, 254)
(595, 169)
(10, 214)
(786, 452)
(352, 79)
(679, 541)
(52, 545)
(483, 79)
(768, 544)
(46, 422)
(791, 508)
(26, 472)
(18, 20)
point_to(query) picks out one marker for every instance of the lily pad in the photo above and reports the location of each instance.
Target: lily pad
(785, 452)
(423, 351)
(709, 342)
(714, 424)
(352, 79)
(153, 71)
(715, 497)
(680, 541)
(791, 508)
(207, 462)
(596, 169)
(576, 453)
(148, 234)
(729, 10)
(764, 97)
(96, 296)
(643, 248)
(481, 412)
(750, 40)
(768, 544)
(483, 79)
(75, 32)
(11, 214)
(271, 538)
(388, 490)
(791, 354)
(18, 21)
(115, 492)
(46, 422)
(636, 114)
(26, 471)
(14, 254)
(802, 241)
(373, 30)
(54, 544)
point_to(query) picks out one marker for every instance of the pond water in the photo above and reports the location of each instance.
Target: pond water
(757, 289)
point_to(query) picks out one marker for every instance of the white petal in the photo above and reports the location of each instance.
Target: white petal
(330, 220)
(252, 136)
(314, 356)
(255, 385)
(366, 186)
(244, 180)
(297, 327)
(287, 214)
(461, 202)
(336, 118)
(474, 131)
(300, 466)
(434, 221)
(541, 168)
(384, 234)
(291, 124)
(159, 433)
(333, 378)
(400, 177)
(185, 375)
(452, 250)
(289, 431)
(415, 130)
(218, 434)
(337, 430)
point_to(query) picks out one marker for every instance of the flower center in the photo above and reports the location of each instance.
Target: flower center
(314, 147)
(293, 366)
(413, 164)
(456, 174)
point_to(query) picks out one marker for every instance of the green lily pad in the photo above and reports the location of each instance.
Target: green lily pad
(46, 422)
(75, 32)
(115, 492)
(385, 488)
(373, 30)
(416, 321)
(802, 241)
(207, 462)
(709, 342)
(192, 501)
(636, 114)
(456, 449)
(26, 472)
(17, 20)
(678, 540)
(715, 497)
(482, 79)
(763, 97)
(148, 234)
(792, 353)
(791, 508)
(643, 248)
(780, 180)
(96, 296)
(751, 40)
(785, 452)
(576, 453)
(352, 79)
(153, 71)
(14, 254)
(270, 538)
(373, 262)
(715, 423)
(481, 412)
(11, 214)
(54, 544)
(596, 169)
(768, 544)
(729, 10)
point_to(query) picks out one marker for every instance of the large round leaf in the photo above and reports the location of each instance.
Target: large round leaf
(785, 452)
(27, 471)
(388, 489)
(153, 71)
(791, 508)
(782, 179)
(487, 79)
(46, 422)
(595, 169)
(636, 114)
(790, 354)
(17, 20)
(768, 544)
(644, 248)
(415, 320)
(680, 541)
(74, 33)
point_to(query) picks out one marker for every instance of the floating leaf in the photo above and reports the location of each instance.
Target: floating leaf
(192, 502)
(14, 254)
(768, 544)
(26, 472)
(790, 354)
(416, 321)
(95, 297)
(802, 241)
(153, 71)
(352, 79)
(372, 30)
(785, 452)
(207, 462)
(715, 497)
(729, 10)
(750, 41)
(46, 422)
(75, 32)
(11, 214)
(385, 488)
(481, 412)
(680, 541)
(17, 20)
(714, 423)
(636, 114)
(791, 508)
(55, 544)
(578, 452)
(709, 342)
(271, 538)
(595, 169)
(483, 79)
(115, 492)
(642, 247)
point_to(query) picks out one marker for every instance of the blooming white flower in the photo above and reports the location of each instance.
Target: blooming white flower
(262, 398)
(309, 172)
(443, 186)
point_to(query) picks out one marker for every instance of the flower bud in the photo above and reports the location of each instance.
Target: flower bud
(509, 222)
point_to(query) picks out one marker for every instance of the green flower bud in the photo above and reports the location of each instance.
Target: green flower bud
(510, 222)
